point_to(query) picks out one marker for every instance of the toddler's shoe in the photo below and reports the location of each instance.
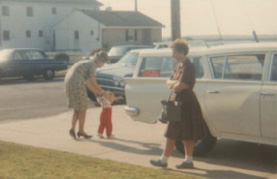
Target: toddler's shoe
(100, 136)
(111, 137)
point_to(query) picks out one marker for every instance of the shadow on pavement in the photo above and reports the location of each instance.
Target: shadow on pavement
(143, 148)
(219, 174)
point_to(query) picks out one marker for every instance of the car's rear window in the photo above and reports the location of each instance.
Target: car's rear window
(238, 67)
(157, 67)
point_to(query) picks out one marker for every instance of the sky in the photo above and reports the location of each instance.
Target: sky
(208, 17)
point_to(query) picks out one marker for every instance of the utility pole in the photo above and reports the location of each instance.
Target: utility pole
(136, 5)
(175, 20)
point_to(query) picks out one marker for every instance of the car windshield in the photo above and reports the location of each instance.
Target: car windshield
(117, 51)
(5, 55)
(129, 59)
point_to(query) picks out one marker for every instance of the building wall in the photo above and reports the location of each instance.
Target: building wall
(65, 33)
(17, 23)
(117, 36)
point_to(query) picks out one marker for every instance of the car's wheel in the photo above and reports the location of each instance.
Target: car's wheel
(49, 74)
(91, 96)
(201, 148)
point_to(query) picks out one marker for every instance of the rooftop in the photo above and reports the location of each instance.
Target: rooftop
(123, 18)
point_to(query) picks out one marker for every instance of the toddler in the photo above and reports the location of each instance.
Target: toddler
(106, 115)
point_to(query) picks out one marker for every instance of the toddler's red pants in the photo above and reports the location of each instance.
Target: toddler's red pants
(106, 121)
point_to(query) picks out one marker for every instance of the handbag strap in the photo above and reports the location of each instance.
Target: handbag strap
(176, 94)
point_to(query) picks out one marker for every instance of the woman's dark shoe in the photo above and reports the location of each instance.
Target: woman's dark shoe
(158, 163)
(185, 165)
(79, 134)
(72, 133)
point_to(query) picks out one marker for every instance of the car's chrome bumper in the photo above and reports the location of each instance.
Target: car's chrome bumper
(132, 111)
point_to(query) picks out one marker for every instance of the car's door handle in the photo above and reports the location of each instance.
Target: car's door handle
(267, 93)
(213, 91)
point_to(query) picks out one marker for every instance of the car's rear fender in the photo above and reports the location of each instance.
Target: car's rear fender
(144, 95)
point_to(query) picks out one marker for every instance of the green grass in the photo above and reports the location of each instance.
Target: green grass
(19, 161)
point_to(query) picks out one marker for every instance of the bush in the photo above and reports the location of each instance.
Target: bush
(62, 56)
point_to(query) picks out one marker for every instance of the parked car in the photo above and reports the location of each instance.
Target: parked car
(116, 52)
(236, 87)
(29, 62)
(111, 77)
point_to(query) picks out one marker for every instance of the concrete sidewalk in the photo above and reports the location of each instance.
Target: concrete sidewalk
(136, 143)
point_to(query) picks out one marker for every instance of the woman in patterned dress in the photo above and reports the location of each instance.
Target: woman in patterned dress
(80, 76)
(192, 126)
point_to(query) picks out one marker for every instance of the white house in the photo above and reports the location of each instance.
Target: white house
(86, 30)
(28, 23)
(67, 25)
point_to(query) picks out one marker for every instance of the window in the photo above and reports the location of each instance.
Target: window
(40, 33)
(37, 55)
(238, 67)
(5, 11)
(157, 67)
(76, 35)
(6, 35)
(131, 35)
(91, 32)
(32, 55)
(28, 34)
(29, 11)
(273, 76)
(218, 65)
(54, 10)
(17, 56)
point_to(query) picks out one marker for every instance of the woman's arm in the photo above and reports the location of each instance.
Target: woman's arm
(170, 83)
(179, 86)
(94, 87)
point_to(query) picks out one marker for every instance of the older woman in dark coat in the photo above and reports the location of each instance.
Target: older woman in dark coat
(192, 127)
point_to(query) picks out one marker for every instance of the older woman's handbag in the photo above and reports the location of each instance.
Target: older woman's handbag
(171, 111)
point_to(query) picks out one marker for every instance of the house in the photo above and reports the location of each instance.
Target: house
(94, 29)
(55, 25)
(28, 23)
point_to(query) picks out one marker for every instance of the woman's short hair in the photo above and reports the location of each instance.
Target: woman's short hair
(100, 55)
(180, 46)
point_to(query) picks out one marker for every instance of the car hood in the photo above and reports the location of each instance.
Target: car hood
(119, 70)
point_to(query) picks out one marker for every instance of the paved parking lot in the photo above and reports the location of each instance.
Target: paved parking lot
(137, 143)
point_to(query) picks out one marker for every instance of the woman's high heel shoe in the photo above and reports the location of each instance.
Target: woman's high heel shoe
(79, 134)
(72, 133)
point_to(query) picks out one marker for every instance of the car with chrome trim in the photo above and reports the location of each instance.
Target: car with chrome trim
(28, 62)
(111, 76)
(236, 87)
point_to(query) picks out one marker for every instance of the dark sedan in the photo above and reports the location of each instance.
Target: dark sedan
(29, 62)
(111, 77)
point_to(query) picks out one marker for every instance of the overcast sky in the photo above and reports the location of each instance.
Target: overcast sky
(202, 17)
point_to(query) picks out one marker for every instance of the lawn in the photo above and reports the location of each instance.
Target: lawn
(19, 161)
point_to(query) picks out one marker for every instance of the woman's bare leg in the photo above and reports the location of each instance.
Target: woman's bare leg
(82, 118)
(74, 119)
(188, 147)
(170, 144)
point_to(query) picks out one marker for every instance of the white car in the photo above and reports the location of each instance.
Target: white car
(236, 87)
